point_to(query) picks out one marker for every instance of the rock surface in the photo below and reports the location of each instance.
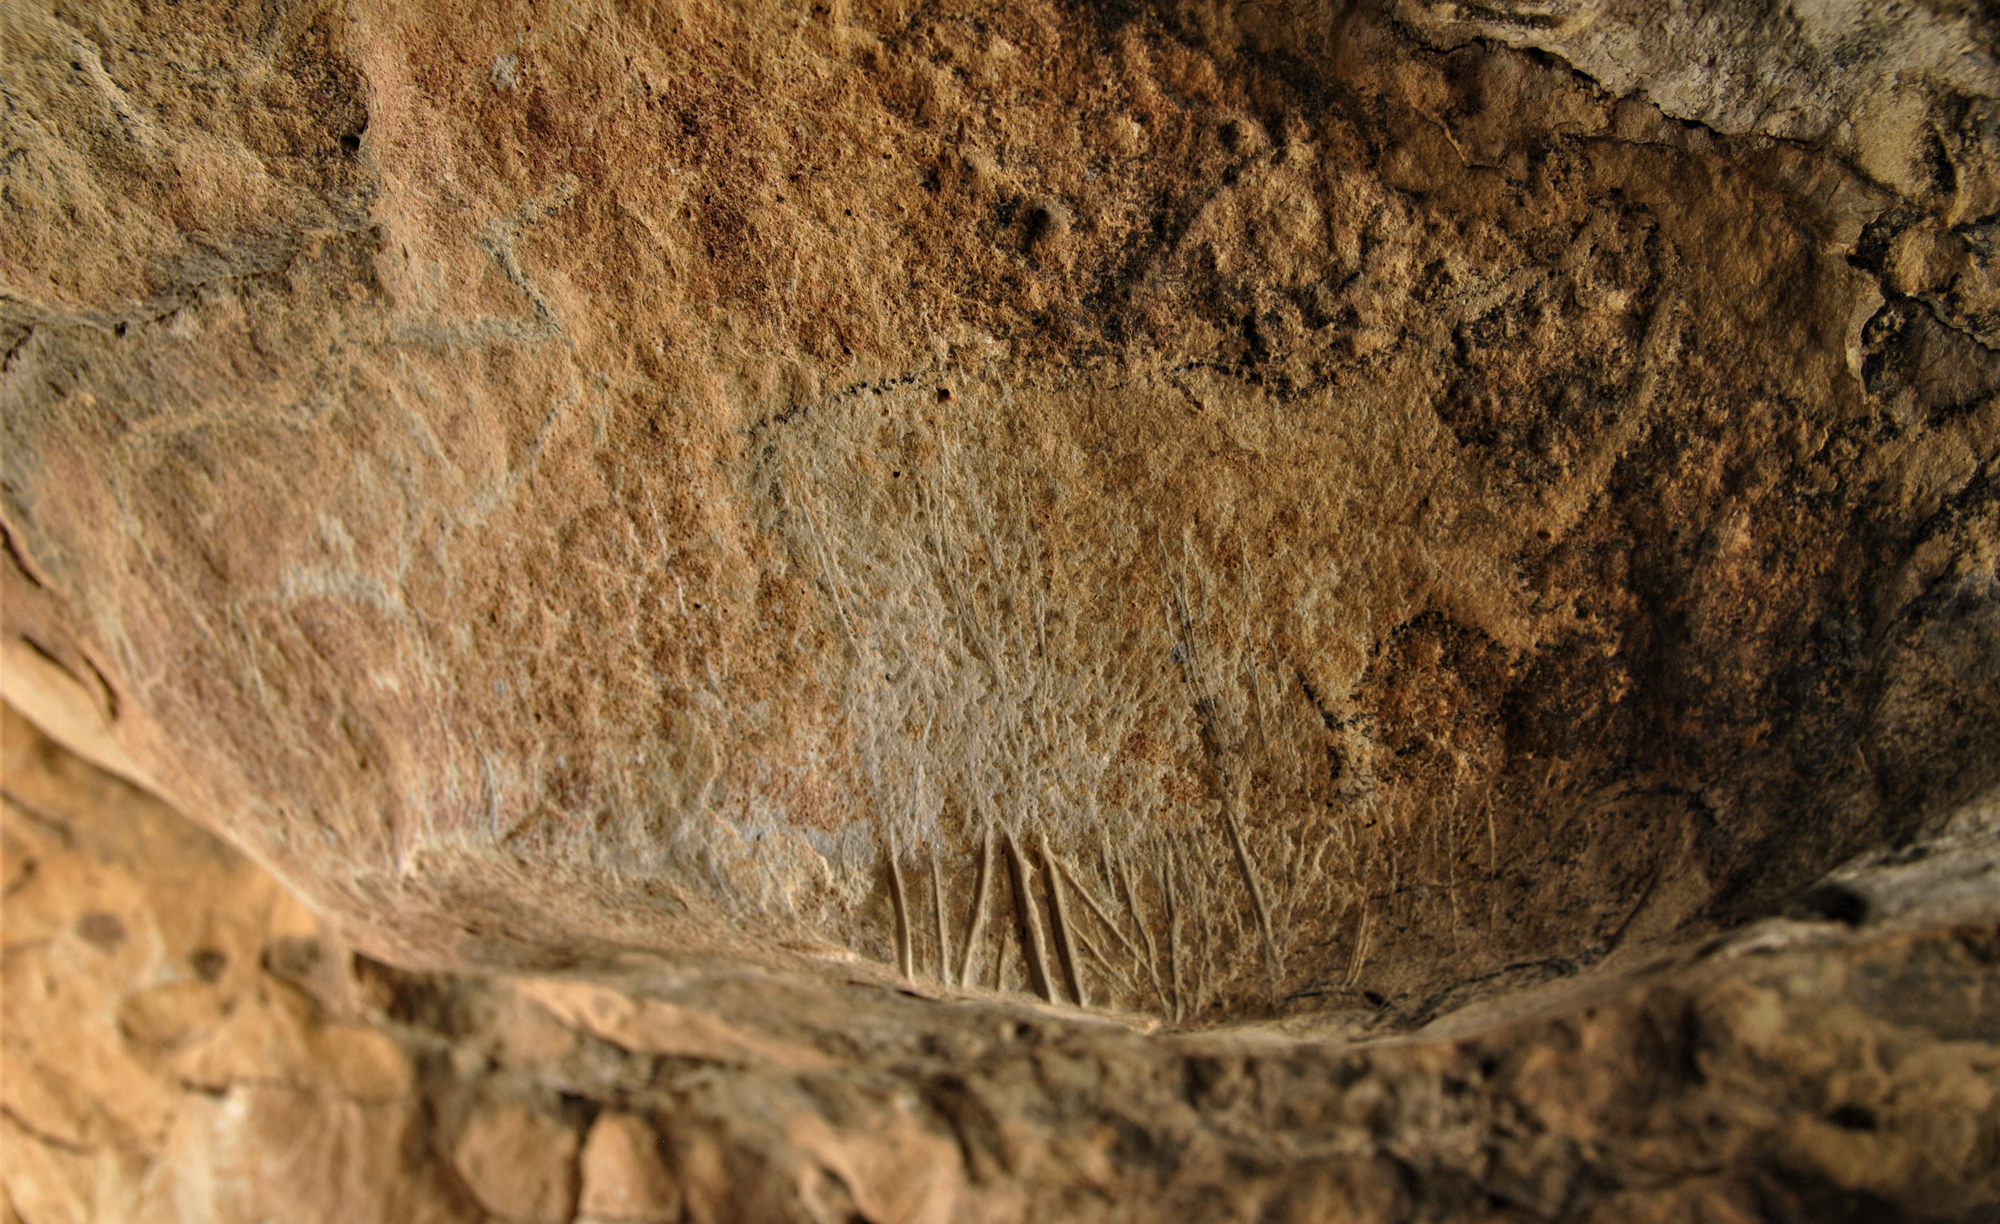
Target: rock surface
(183, 1043)
(624, 1174)
(181, 1040)
(955, 596)
(1224, 513)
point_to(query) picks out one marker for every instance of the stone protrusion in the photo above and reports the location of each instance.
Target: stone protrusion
(519, 1164)
(624, 1174)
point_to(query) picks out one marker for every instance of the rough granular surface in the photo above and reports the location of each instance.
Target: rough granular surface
(1214, 513)
(183, 1042)
(1327, 518)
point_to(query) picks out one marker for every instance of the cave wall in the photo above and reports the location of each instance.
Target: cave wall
(1211, 512)
(182, 1041)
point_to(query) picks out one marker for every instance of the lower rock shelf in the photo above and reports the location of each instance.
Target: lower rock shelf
(184, 1041)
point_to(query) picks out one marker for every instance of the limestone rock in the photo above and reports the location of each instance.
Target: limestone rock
(519, 1164)
(1839, 1063)
(624, 1179)
(157, 1060)
(1903, 88)
(1242, 610)
(1211, 513)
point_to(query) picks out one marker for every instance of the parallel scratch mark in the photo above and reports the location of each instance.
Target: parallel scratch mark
(1090, 902)
(1065, 940)
(979, 899)
(943, 926)
(1492, 838)
(1360, 956)
(1096, 955)
(1000, 964)
(905, 961)
(1256, 886)
(1152, 958)
(1202, 982)
(1031, 919)
(1174, 935)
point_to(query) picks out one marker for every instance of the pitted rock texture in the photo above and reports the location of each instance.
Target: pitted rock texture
(1213, 513)
(1903, 91)
(183, 1043)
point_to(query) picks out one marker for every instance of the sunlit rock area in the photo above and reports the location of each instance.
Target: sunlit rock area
(863, 611)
